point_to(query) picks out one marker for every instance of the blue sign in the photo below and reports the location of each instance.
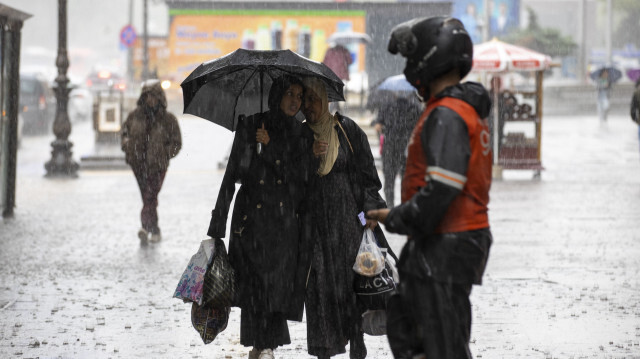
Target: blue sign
(128, 36)
(504, 17)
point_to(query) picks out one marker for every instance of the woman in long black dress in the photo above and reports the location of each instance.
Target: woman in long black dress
(345, 183)
(264, 238)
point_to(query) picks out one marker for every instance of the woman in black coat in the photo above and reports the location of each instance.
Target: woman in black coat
(344, 182)
(263, 246)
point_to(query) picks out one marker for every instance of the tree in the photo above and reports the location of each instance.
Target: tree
(544, 40)
(628, 28)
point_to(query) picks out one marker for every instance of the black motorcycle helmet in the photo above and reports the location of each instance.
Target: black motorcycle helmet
(433, 46)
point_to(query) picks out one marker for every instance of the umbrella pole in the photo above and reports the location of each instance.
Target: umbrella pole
(259, 145)
(261, 90)
(497, 169)
(495, 127)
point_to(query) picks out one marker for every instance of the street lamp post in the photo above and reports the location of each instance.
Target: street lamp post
(61, 163)
(145, 42)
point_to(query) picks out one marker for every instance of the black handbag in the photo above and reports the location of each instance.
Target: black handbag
(219, 279)
(374, 291)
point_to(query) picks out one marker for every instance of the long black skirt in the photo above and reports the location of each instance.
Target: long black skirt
(333, 313)
(263, 330)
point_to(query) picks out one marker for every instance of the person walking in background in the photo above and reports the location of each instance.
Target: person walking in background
(496, 95)
(264, 238)
(603, 87)
(338, 58)
(444, 213)
(635, 107)
(395, 121)
(343, 182)
(150, 137)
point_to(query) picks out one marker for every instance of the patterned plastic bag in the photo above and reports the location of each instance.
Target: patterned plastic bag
(191, 284)
(208, 321)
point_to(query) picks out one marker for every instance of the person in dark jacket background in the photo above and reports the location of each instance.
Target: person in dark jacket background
(150, 137)
(444, 213)
(395, 120)
(338, 58)
(263, 246)
(635, 107)
(344, 182)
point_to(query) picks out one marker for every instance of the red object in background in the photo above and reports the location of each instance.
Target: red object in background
(381, 142)
(338, 59)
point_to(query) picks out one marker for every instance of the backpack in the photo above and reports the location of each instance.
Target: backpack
(635, 106)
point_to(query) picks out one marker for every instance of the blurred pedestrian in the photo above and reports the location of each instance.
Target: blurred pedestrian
(150, 138)
(338, 58)
(264, 235)
(395, 121)
(603, 87)
(444, 213)
(344, 182)
(635, 107)
(496, 95)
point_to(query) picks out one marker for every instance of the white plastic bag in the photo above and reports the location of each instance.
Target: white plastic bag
(369, 260)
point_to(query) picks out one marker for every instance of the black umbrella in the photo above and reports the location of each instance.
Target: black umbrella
(238, 83)
(614, 74)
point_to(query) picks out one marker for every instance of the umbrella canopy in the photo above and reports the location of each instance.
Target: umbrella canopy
(389, 90)
(614, 74)
(396, 83)
(498, 56)
(349, 37)
(633, 74)
(238, 83)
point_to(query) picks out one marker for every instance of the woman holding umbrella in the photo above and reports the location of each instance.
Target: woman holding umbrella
(604, 78)
(344, 182)
(263, 246)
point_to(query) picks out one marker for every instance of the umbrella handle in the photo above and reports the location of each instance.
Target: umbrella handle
(259, 145)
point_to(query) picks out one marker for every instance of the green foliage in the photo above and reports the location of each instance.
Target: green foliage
(627, 29)
(544, 40)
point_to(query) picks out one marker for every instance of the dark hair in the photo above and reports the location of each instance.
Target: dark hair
(278, 88)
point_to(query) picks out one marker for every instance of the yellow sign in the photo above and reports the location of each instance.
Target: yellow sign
(199, 36)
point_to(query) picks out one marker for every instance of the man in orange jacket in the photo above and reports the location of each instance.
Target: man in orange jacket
(445, 193)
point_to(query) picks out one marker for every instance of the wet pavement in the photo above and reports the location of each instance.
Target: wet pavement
(562, 280)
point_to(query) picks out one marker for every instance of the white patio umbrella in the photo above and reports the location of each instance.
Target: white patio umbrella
(349, 37)
(498, 57)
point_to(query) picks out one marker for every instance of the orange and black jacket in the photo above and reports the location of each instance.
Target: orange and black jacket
(446, 184)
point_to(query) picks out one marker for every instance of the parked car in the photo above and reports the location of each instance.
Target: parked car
(105, 80)
(37, 104)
